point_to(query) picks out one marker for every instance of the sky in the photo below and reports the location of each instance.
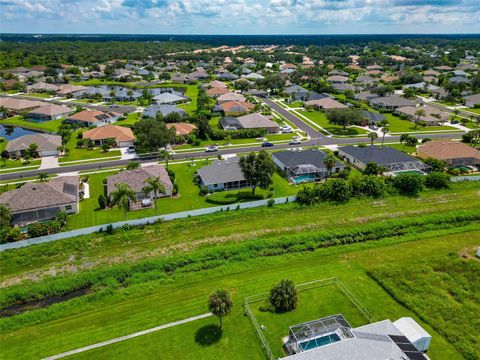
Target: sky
(240, 16)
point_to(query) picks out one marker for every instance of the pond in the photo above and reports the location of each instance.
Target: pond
(12, 132)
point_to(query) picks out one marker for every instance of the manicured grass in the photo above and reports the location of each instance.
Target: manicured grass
(403, 147)
(131, 119)
(474, 110)
(84, 154)
(398, 125)
(221, 227)
(39, 95)
(313, 304)
(10, 164)
(321, 119)
(295, 104)
(192, 93)
(51, 126)
(188, 198)
(158, 302)
(445, 292)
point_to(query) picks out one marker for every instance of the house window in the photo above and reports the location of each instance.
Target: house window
(68, 207)
(215, 185)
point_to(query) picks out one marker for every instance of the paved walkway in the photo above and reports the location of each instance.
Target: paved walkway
(127, 337)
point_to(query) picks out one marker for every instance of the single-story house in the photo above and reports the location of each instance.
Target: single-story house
(41, 201)
(136, 180)
(230, 96)
(391, 102)
(182, 128)
(453, 153)
(47, 144)
(342, 87)
(365, 96)
(169, 98)
(19, 106)
(250, 121)
(93, 118)
(227, 76)
(42, 87)
(459, 80)
(304, 166)
(122, 135)
(433, 116)
(371, 117)
(326, 104)
(222, 175)
(394, 160)
(337, 79)
(164, 109)
(216, 84)
(68, 89)
(365, 80)
(216, 91)
(50, 112)
(254, 76)
(236, 107)
(472, 100)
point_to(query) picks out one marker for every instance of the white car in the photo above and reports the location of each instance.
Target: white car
(294, 141)
(211, 148)
(286, 129)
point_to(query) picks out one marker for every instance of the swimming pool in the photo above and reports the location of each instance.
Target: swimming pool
(303, 178)
(320, 341)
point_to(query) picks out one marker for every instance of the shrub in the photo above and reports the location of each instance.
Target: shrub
(337, 190)
(370, 185)
(203, 190)
(283, 296)
(437, 180)
(109, 229)
(270, 203)
(408, 184)
(102, 202)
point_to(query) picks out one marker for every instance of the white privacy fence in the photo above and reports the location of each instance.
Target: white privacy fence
(465, 178)
(143, 221)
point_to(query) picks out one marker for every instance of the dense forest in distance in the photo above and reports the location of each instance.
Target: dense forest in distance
(87, 50)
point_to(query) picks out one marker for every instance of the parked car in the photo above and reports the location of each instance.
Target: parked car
(211, 148)
(454, 122)
(267, 144)
(286, 129)
(294, 141)
(131, 149)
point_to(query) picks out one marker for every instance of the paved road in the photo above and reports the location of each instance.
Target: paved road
(311, 132)
(127, 337)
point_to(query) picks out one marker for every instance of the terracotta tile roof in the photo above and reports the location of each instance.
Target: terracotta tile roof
(182, 128)
(19, 104)
(51, 110)
(326, 103)
(92, 116)
(236, 106)
(119, 133)
(217, 91)
(446, 150)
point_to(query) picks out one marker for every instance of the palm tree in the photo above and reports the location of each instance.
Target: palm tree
(43, 177)
(220, 304)
(122, 196)
(419, 113)
(130, 94)
(283, 296)
(404, 139)
(384, 131)
(372, 136)
(165, 155)
(329, 161)
(153, 185)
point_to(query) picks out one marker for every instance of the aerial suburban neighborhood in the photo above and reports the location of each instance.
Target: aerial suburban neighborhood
(247, 196)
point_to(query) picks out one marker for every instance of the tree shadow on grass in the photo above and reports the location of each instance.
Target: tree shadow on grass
(208, 335)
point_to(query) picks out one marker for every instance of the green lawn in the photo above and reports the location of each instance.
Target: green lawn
(474, 110)
(51, 126)
(269, 137)
(39, 95)
(403, 147)
(320, 119)
(10, 164)
(131, 119)
(313, 304)
(136, 308)
(84, 154)
(398, 125)
(192, 93)
(189, 198)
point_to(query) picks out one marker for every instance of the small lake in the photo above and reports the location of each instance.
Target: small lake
(12, 132)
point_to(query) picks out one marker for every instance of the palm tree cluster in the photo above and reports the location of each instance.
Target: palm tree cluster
(283, 296)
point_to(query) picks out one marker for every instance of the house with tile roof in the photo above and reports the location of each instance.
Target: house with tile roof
(93, 118)
(122, 135)
(47, 144)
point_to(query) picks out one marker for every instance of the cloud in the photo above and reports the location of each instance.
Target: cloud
(240, 16)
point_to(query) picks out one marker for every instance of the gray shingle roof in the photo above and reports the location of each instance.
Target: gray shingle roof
(221, 171)
(293, 159)
(380, 155)
(136, 178)
(45, 142)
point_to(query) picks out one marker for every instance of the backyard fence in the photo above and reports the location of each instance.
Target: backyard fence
(301, 287)
(465, 178)
(144, 221)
